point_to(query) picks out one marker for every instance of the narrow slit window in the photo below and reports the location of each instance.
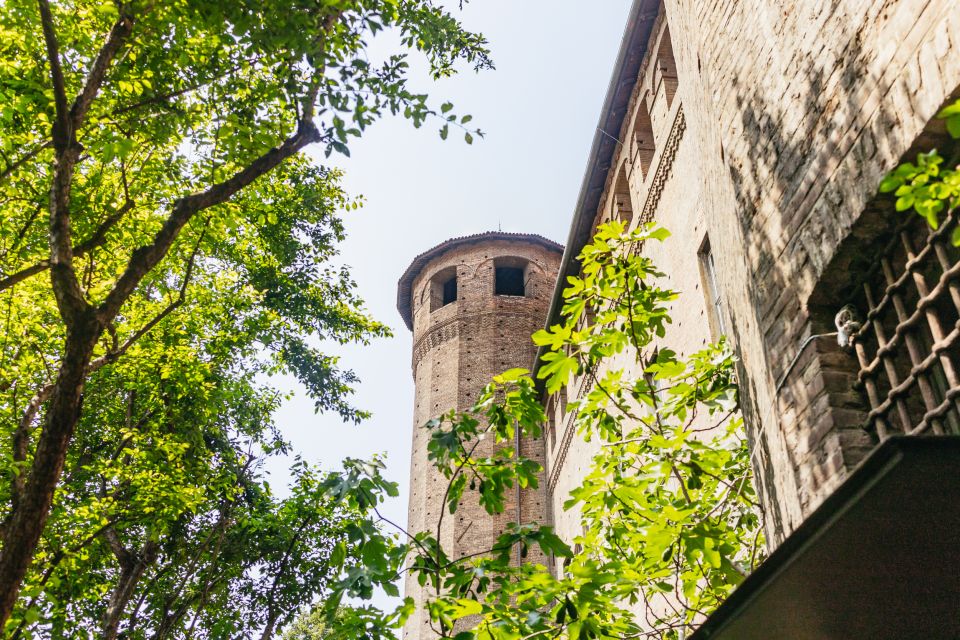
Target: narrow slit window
(509, 281)
(622, 206)
(711, 290)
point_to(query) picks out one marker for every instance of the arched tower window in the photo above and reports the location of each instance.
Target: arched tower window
(443, 288)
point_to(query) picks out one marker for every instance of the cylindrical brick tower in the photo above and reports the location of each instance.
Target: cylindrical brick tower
(472, 304)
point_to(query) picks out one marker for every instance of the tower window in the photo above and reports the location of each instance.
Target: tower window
(450, 291)
(509, 281)
(443, 288)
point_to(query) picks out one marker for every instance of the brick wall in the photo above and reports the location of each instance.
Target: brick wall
(458, 348)
(782, 120)
(797, 110)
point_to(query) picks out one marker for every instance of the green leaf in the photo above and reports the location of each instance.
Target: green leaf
(952, 109)
(904, 202)
(953, 126)
(890, 182)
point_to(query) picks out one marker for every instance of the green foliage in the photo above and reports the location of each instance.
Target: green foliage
(927, 186)
(668, 513)
(311, 624)
(165, 248)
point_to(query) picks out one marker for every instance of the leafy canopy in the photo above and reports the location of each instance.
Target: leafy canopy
(164, 248)
(927, 186)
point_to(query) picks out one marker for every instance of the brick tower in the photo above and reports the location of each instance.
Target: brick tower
(472, 304)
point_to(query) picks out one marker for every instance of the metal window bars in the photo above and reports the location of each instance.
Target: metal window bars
(909, 342)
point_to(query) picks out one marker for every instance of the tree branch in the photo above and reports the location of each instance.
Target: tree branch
(145, 258)
(118, 35)
(21, 437)
(61, 127)
(97, 239)
(25, 158)
(114, 355)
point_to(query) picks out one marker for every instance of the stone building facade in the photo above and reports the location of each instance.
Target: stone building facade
(757, 132)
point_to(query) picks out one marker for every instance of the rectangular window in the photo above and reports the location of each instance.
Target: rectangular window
(711, 290)
(509, 281)
(450, 291)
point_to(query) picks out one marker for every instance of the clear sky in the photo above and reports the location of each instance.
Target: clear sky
(539, 110)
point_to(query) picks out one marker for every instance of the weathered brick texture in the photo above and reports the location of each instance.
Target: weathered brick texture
(458, 348)
(761, 128)
(797, 110)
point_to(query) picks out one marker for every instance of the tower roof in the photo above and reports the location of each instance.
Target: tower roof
(405, 284)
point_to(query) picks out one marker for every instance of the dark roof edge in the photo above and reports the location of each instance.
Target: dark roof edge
(880, 462)
(633, 48)
(405, 284)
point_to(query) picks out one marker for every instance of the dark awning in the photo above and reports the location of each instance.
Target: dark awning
(880, 558)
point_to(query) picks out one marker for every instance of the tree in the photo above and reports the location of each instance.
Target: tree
(167, 453)
(143, 144)
(311, 624)
(669, 515)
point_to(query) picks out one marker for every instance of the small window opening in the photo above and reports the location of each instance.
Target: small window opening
(711, 290)
(622, 206)
(643, 142)
(509, 281)
(450, 291)
(443, 288)
(667, 67)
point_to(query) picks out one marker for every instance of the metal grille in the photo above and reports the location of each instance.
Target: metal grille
(909, 341)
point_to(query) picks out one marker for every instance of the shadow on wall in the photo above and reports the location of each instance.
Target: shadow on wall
(807, 208)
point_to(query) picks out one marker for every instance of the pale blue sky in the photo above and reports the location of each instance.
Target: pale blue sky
(539, 109)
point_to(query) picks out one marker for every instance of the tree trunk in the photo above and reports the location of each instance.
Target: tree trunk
(269, 628)
(25, 525)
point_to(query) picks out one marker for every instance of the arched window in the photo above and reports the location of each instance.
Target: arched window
(643, 144)
(443, 288)
(667, 67)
